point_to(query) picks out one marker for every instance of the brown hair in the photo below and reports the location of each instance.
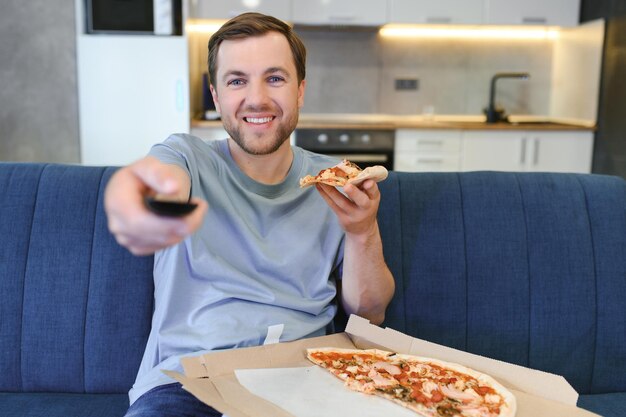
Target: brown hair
(256, 24)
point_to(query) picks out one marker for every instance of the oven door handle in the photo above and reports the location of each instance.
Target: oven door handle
(356, 157)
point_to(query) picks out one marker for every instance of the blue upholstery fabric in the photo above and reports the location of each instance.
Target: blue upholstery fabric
(527, 268)
(62, 405)
(76, 307)
(607, 405)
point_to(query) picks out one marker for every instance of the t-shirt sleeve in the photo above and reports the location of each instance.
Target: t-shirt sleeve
(171, 151)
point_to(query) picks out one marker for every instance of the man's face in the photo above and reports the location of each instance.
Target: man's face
(257, 93)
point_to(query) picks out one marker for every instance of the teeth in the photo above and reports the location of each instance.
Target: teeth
(259, 119)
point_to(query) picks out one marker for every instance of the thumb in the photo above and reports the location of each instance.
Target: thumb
(155, 175)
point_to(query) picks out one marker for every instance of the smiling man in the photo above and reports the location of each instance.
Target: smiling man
(258, 251)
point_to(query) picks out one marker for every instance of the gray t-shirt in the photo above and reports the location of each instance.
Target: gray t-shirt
(264, 255)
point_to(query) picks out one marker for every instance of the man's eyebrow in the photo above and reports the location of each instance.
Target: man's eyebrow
(273, 70)
(236, 73)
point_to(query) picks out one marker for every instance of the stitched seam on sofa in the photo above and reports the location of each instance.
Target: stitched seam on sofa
(458, 179)
(525, 217)
(401, 217)
(595, 282)
(32, 220)
(93, 231)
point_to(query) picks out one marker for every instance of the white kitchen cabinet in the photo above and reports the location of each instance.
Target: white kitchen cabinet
(532, 12)
(418, 150)
(436, 12)
(226, 9)
(548, 151)
(340, 12)
(493, 151)
(560, 151)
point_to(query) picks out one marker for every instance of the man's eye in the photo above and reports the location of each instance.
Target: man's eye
(236, 82)
(275, 79)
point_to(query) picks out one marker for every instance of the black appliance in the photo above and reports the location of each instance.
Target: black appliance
(363, 147)
(139, 17)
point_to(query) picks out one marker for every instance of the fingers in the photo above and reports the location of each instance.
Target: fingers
(148, 233)
(132, 224)
(337, 201)
(364, 195)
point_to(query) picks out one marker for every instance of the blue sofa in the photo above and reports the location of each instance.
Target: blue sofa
(527, 268)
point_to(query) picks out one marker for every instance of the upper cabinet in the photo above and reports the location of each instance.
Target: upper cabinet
(380, 12)
(226, 9)
(532, 12)
(464, 12)
(340, 12)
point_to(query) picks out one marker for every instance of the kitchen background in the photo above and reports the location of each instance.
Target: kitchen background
(349, 71)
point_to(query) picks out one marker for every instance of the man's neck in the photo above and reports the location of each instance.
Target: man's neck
(266, 169)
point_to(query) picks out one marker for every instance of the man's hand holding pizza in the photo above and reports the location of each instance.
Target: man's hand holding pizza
(367, 284)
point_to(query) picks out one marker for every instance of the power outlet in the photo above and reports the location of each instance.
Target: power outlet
(403, 84)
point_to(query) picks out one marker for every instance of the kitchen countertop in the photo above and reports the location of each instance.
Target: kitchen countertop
(461, 122)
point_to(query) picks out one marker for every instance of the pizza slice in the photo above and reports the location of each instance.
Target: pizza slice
(430, 387)
(343, 173)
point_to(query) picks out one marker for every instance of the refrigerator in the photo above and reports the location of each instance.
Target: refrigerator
(133, 91)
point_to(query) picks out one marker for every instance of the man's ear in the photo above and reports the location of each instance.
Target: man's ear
(301, 89)
(215, 100)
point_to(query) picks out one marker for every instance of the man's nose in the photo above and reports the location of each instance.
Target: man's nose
(258, 94)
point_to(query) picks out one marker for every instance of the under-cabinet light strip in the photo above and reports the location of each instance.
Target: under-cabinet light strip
(469, 32)
(426, 31)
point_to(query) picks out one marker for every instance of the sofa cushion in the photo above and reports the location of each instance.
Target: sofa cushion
(607, 405)
(76, 307)
(63, 405)
(523, 267)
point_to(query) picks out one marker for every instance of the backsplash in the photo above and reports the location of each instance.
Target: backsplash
(355, 72)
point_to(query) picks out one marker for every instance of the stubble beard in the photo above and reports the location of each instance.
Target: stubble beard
(247, 143)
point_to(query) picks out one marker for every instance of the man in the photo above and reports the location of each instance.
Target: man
(262, 252)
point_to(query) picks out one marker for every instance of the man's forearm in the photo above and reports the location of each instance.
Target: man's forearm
(367, 283)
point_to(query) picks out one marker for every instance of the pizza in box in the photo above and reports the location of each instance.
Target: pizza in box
(429, 387)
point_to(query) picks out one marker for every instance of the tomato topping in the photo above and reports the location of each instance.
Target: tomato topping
(485, 390)
(436, 396)
(419, 397)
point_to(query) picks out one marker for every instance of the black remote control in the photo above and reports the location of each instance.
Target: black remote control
(169, 208)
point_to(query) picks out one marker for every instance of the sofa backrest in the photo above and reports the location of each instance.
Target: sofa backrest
(75, 307)
(527, 268)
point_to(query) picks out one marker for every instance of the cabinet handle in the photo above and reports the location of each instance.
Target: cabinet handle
(438, 19)
(340, 18)
(534, 20)
(430, 142)
(522, 160)
(536, 152)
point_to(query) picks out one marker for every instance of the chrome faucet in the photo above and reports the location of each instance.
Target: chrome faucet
(496, 114)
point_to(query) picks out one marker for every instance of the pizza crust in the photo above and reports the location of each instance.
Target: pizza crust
(377, 173)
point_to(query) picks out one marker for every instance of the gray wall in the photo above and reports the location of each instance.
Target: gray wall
(38, 95)
(355, 72)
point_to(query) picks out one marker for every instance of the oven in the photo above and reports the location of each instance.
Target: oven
(364, 147)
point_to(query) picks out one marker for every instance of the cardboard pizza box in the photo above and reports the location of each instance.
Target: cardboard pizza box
(216, 378)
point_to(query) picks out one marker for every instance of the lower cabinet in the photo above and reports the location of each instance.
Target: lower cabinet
(439, 150)
(418, 150)
(549, 151)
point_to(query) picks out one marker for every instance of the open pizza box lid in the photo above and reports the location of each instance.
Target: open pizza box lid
(213, 377)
